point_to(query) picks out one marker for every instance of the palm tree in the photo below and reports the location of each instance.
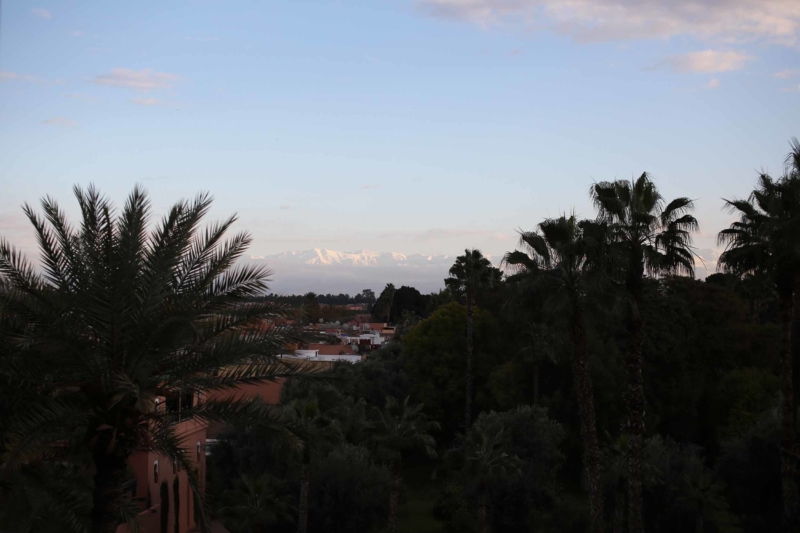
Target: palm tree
(316, 431)
(485, 459)
(702, 494)
(765, 241)
(470, 273)
(646, 236)
(119, 316)
(400, 427)
(253, 505)
(561, 263)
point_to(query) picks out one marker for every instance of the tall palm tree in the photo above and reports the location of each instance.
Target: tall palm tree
(470, 273)
(562, 264)
(766, 240)
(646, 236)
(400, 427)
(316, 431)
(485, 458)
(119, 316)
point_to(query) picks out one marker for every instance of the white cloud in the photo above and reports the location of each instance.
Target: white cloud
(15, 76)
(42, 13)
(773, 21)
(141, 80)
(706, 61)
(58, 121)
(713, 83)
(148, 101)
(791, 89)
(788, 73)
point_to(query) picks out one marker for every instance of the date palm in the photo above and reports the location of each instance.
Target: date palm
(121, 314)
(398, 428)
(561, 264)
(469, 274)
(766, 240)
(649, 236)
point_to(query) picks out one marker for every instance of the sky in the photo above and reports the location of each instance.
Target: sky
(412, 126)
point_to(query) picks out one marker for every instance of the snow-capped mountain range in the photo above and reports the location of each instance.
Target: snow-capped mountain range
(331, 271)
(360, 258)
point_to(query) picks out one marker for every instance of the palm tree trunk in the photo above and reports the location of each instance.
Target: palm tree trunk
(535, 383)
(591, 448)
(302, 519)
(788, 455)
(394, 497)
(107, 494)
(468, 403)
(635, 423)
(619, 509)
(483, 521)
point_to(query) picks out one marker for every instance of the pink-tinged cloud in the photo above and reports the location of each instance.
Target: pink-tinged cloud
(707, 61)
(41, 13)
(140, 80)
(59, 121)
(147, 101)
(713, 83)
(788, 73)
(772, 21)
(27, 78)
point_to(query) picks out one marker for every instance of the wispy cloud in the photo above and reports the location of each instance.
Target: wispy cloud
(772, 21)
(59, 121)
(707, 61)
(436, 234)
(788, 73)
(27, 78)
(41, 13)
(148, 101)
(713, 83)
(795, 89)
(365, 187)
(80, 96)
(140, 80)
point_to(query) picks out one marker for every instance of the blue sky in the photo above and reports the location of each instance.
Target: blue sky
(394, 125)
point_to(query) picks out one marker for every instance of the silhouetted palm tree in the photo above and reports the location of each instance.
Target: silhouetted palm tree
(562, 264)
(765, 240)
(400, 427)
(470, 273)
(119, 316)
(646, 236)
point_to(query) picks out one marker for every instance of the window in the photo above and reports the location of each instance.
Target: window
(155, 471)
